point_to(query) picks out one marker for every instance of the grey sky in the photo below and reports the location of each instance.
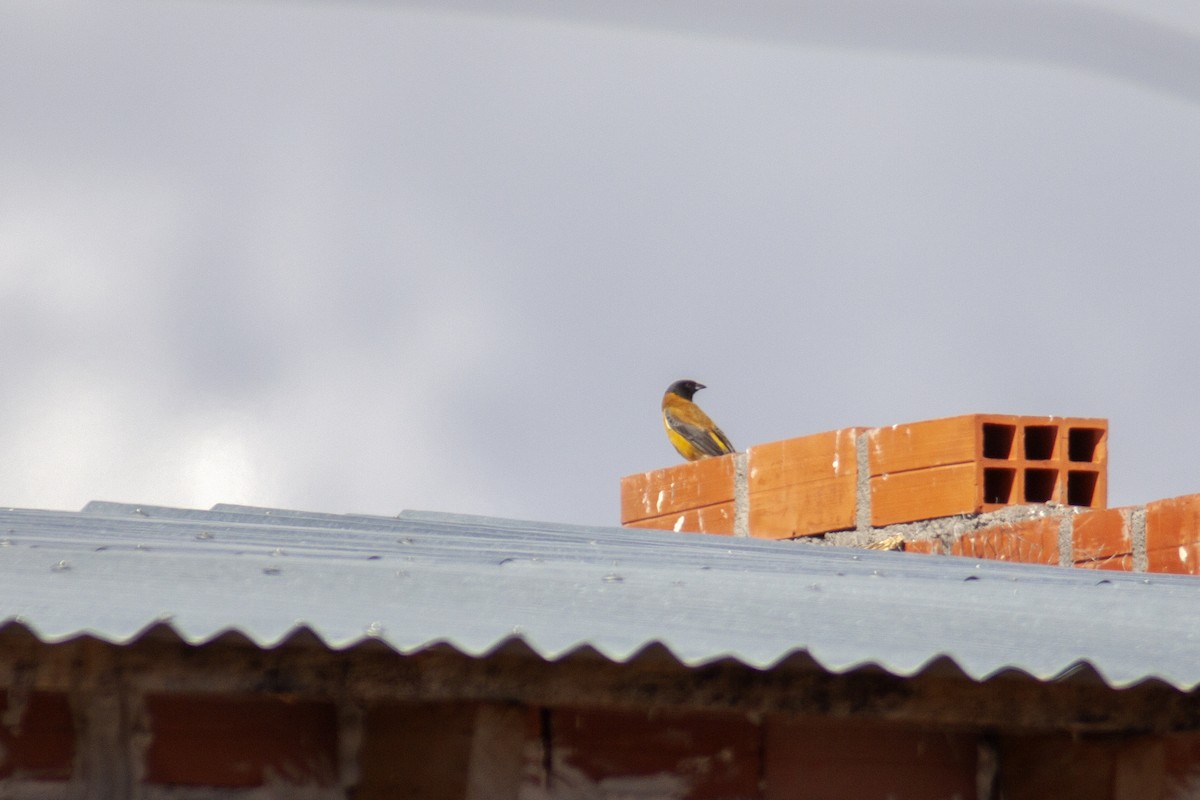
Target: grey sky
(364, 257)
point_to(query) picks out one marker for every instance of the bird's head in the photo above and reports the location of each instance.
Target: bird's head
(685, 389)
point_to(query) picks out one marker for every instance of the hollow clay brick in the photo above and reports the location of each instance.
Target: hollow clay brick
(820, 457)
(683, 487)
(1097, 535)
(1117, 563)
(1172, 522)
(803, 486)
(932, 443)
(924, 494)
(709, 519)
(1033, 541)
(981, 462)
(1181, 559)
(803, 510)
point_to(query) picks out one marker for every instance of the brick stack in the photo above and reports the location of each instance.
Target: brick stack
(1016, 488)
(857, 477)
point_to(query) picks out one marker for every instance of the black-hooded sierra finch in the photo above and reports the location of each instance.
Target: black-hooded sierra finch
(690, 430)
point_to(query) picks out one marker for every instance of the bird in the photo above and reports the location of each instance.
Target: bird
(690, 430)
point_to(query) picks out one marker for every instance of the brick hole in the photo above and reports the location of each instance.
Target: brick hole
(1082, 444)
(1081, 488)
(998, 485)
(998, 440)
(1040, 441)
(1040, 485)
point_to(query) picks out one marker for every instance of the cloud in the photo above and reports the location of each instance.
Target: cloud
(1150, 46)
(370, 256)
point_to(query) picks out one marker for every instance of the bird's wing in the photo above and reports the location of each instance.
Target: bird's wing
(720, 436)
(700, 432)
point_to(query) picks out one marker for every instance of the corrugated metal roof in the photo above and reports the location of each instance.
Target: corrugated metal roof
(113, 570)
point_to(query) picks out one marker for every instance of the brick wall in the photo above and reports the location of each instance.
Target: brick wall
(317, 724)
(1011, 488)
(223, 747)
(863, 479)
(459, 750)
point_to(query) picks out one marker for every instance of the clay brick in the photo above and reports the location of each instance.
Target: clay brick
(1172, 522)
(415, 750)
(1097, 535)
(807, 459)
(1140, 769)
(1118, 563)
(709, 519)
(240, 741)
(803, 486)
(834, 760)
(425, 750)
(1056, 765)
(976, 437)
(1182, 559)
(924, 494)
(981, 462)
(803, 510)
(928, 546)
(701, 756)
(1181, 763)
(682, 487)
(1033, 541)
(40, 744)
(938, 442)
(970, 488)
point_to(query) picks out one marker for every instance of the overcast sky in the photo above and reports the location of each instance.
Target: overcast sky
(365, 256)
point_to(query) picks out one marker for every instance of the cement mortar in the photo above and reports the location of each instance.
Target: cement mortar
(942, 529)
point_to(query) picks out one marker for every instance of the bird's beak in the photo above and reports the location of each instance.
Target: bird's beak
(701, 386)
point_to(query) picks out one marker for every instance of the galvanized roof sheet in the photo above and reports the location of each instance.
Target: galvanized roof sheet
(113, 570)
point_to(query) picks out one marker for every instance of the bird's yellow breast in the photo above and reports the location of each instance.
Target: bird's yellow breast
(682, 445)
